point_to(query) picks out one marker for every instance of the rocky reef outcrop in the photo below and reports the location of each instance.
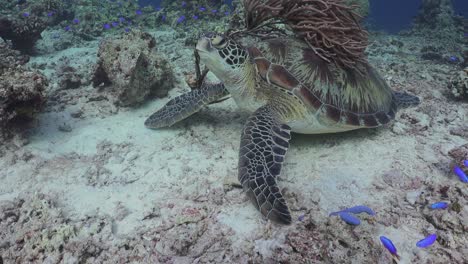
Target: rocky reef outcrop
(23, 33)
(21, 90)
(436, 18)
(132, 67)
(458, 84)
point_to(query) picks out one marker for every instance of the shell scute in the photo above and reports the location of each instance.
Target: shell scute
(340, 95)
(280, 76)
(262, 67)
(333, 113)
(310, 98)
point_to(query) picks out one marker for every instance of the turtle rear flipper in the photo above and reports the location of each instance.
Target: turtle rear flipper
(186, 105)
(405, 100)
(264, 143)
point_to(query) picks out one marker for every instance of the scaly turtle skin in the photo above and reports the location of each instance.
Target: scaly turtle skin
(287, 88)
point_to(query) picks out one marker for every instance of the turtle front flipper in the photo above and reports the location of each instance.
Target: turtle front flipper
(186, 105)
(264, 143)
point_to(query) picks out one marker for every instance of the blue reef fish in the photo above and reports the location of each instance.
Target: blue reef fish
(51, 13)
(106, 26)
(226, 13)
(360, 209)
(214, 11)
(439, 205)
(121, 19)
(181, 19)
(195, 17)
(349, 218)
(67, 28)
(388, 244)
(138, 12)
(429, 240)
(127, 30)
(461, 174)
(301, 217)
(202, 9)
(26, 14)
(76, 21)
(453, 59)
(356, 210)
(465, 162)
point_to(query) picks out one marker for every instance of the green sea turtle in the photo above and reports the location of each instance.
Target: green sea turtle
(288, 88)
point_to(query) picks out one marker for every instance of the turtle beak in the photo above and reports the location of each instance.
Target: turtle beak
(204, 45)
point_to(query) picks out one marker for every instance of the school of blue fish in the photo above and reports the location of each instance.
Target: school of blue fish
(348, 216)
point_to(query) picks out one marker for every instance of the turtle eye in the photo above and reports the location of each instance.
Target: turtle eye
(219, 41)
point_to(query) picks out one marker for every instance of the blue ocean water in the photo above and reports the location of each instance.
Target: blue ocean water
(396, 15)
(390, 16)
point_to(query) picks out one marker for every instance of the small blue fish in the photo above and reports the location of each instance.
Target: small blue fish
(439, 205)
(138, 12)
(388, 244)
(67, 28)
(461, 174)
(51, 13)
(121, 19)
(429, 240)
(26, 14)
(202, 9)
(301, 218)
(127, 30)
(115, 24)
(349, 218)
(76, 21)
(214, 11)
(106, 26)
(226, 13)
(453, 59)
(195, 17)
(356, 210)
(360, 209)
(465, 162)
(181, 19)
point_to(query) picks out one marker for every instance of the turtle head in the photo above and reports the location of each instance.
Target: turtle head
(222, 55)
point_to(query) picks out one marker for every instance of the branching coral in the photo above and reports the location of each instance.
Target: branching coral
(329, 27)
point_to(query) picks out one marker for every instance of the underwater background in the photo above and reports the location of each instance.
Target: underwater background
(110, 153)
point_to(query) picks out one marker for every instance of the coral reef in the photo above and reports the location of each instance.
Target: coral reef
(437, 20)
(131, 64)
(10, 58)
(458, 84)
(23, 32)
(21, 90)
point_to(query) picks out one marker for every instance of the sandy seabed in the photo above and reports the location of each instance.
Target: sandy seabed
(90, 184)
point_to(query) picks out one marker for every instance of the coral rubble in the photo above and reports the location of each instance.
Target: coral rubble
(131, 64)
